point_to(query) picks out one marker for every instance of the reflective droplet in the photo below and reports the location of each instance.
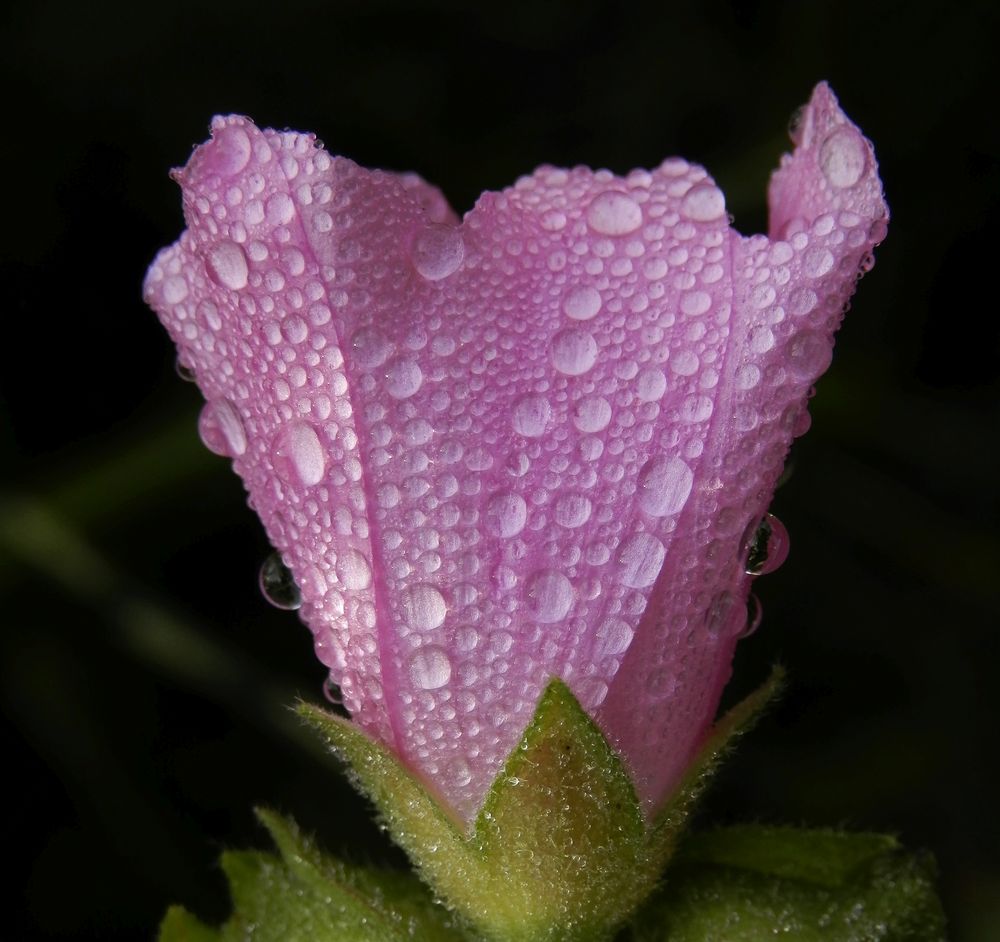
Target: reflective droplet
(612, 637)
(650, 385)
(230, 151)
(809, 354)
(574, 351)
(438, 251)
(531, 415)
(641, 558)
(298, 455)
(842, 158)
(664, 486)
(403, 378)
(767, 546)
(703, 203)
(459, 772)
(429, 668)
(613, 213)
(550, 596)
(332, 695)
(592, 414)
(582, 304)
(572, 510)
(754, 614)
(221, 429)
(369, 348)
(277, 584)
(184, 371)
(353, 570)
(227, 265)
(424, 607)
(725, 616)
(506, 514)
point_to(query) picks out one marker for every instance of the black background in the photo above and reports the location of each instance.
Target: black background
(144, 680)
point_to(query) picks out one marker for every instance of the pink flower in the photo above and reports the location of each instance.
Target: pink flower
(526, 445)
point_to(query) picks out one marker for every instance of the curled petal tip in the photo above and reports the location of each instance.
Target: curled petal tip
(832, 169)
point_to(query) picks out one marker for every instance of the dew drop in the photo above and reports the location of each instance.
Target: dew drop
(429, 668)
(424, 608)
(612, 637)
(809, 354)
(506, 514)
(297, 455)
(438, 251)
(574, 351)
(531, 415)
(227, 265)
(704, 203)
(403, 378)
(277, 584)
(184, 371)
(221, 429)
(664, 486)
(582, 304)
(279, 209)
(614, 214)
(767, 546)
(550, 596)
(592, 414)
(842, 158)
(459, 772)
(353, 570)
(754, 614)
(175, 289)
(650, 385)
(369, 348)
(230, 150)
(641, 558)
(572, 510)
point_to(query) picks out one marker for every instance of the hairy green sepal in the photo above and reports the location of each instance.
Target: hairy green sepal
(560, 849)
(752, 883)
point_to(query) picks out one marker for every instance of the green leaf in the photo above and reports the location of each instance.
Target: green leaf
(180, 926)
(560, 849)
(748, 884)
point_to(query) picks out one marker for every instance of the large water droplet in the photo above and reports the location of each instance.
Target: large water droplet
(612, 637)
(370, 348)
(809, 354)
(613, 213)
(298, 455)
(664, 486)
(429, 668)
(227, 265)
(572, 510)
(550, 596)
(582, 304)
(438, 251)
(574, 351)
(424, 607)
(230, 150)
(184, 371)
(703, 203)
(403, 378)
(506, 514)
(767, 546)
(641, 558)
(842, 158)
(592, 414)
(755, 612)
(333, 696)
(353, 570)
(531, 415)
(277, 584)
(221, 429)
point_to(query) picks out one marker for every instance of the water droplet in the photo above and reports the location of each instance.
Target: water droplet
(664, 486)
(809, 354)
(650, 385)
(613, 637)
(221, 429)
(531, 415)
(369, 348)
(754, 614)
(459, 772)
(353, 570)
(550, 596)
(279, 209)
(430, 668)
(230, 150)
(613, 213)
(184, 371)
(641, 558)
(298, 455)
(175, 289)
(704, 203)
(424, 607)
(767, 546)
(277, 584)
(403, 378)
(592, 414)
(506, 514)
(227, 265)
(582, 304)
(572, 510)
(332, 694)
(725, 616)
(438, 251)
(574, 351)
(842, 158)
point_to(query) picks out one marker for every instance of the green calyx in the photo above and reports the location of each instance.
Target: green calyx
(560, 849)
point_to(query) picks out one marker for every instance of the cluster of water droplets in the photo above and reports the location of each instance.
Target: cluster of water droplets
(490, 452)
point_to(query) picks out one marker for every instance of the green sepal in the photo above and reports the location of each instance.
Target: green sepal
(302, 895)
(560, 849)
(752, 883)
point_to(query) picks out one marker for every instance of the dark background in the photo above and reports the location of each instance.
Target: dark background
(144, 680)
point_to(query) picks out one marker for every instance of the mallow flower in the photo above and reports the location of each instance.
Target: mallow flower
(534, 444)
